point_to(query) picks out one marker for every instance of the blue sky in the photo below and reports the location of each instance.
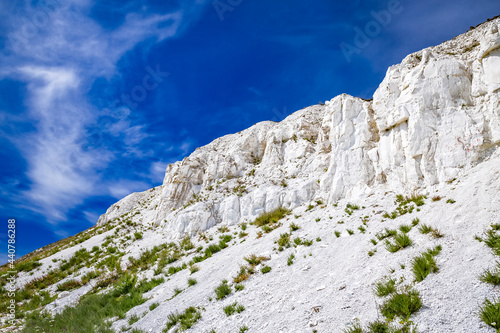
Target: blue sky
(97, 97)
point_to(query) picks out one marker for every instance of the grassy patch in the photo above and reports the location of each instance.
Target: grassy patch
(69, 285)
(350, 208)
(223, 290)
(385, 288)
(271, 218)
(386, 234)
(283, 241)
(401, 304)
(90, 315)
(265, 269)
(255, 260)
(400, 242)
(491, 276)
(233, 308)
(425, 264)
(489, 313)
(183, 320)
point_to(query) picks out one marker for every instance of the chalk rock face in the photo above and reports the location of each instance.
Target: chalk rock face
(433, 117)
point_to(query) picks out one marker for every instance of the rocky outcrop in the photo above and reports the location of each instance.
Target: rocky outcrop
(434, 116)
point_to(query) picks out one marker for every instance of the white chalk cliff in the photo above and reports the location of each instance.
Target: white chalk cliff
(433, 127)
(434, 116)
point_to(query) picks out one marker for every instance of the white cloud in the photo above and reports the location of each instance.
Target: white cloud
(59, 61)
(123, 188)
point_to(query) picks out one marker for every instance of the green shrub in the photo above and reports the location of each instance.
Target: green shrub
(233, 308)
(184, 320)
(133, 319)
(69, 285)
(385, 288)
(386, 234)
(350, 208)
(265, 269)
(271, 217)
(90, 315)
(192, 282)
(137, 235)
(491, 276)
(401, 241)
(153, 306)
(489, 313)
(89, 276)
(425, 229)
(401, 304)
(405, 228)
(425, 264)
(193, 269)
(186, 244)
(27, 266)
(222, 290)
(243, 274)
(254, 260)
(283, 240)
(239, 287)
(125, 284)
(492, 240)
(337, 233)
(294, 227)
(290, 259)
(146, 285)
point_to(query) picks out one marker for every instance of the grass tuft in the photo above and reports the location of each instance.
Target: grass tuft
(272, 217)
(222, 290)
(385, 288)
(184, 320)
(233, 308)
(401, 304)
(400, 242)
(425, 264)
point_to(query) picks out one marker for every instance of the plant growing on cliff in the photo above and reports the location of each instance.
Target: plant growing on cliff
(222, 290)
(271, 218)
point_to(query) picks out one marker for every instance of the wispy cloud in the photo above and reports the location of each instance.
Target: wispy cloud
(59, 61)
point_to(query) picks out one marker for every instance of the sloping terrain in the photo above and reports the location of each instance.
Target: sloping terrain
(354, 215)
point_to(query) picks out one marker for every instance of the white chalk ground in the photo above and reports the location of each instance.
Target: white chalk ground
(330, 283)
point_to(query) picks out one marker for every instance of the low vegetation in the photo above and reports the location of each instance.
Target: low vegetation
(399, 242)
(183, 320)
(223, 290)
(425, 264)
(233, 308)
(269, 221)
